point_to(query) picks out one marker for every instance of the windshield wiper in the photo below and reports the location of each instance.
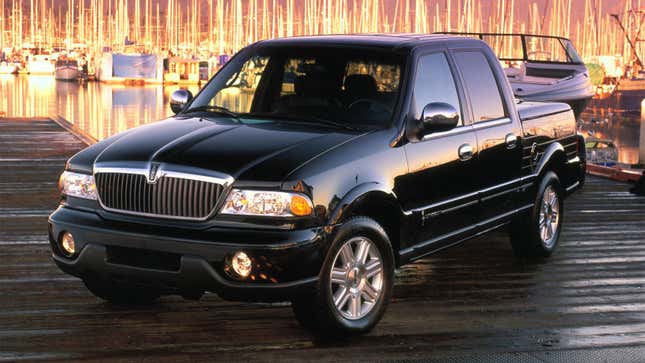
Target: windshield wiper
(304, 119)
(214, 109)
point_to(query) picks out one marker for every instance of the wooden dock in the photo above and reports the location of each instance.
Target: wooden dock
(473, 302)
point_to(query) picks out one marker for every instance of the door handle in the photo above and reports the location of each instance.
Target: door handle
(465, 152)
(511, 141)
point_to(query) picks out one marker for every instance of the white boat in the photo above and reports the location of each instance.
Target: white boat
(40, 64)
(8, 68)
(601, 151)
(130, 68)
(67, 70)
(542, 68)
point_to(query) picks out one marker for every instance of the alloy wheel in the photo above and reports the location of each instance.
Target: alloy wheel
(549, 216)
(356, 278)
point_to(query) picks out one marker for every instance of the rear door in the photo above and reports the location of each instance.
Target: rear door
(498, 133)
(441, 182)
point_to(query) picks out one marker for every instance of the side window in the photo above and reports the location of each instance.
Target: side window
(482, 88)
(434, 83)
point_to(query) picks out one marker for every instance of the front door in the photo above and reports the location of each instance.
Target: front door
(440, 185)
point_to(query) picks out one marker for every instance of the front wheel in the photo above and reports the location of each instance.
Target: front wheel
(355, 283)
(536, 234)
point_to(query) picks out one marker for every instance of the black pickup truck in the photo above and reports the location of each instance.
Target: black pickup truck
(309, 168)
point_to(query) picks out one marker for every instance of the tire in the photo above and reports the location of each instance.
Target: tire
(529, 237)
(361, 288)
(119, 294)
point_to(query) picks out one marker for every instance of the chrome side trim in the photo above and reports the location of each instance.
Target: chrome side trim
(451, 209)
(439, 204)
(421, 245)
(572, 186)
(504, 192)
(526, 181)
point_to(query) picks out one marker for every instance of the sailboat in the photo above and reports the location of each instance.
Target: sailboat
(8, 68)
(40, 64)
(67, 70)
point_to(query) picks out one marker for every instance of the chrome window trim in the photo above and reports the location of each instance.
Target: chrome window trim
(491, 123)
(467, 128)
(222, 179)
(455, 131)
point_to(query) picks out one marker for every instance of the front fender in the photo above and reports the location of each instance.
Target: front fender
(354, 197)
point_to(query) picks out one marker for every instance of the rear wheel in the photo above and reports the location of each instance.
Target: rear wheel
(355, 282)
(119, 294)
(536, 233)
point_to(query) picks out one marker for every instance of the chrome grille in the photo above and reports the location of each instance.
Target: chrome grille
(169, 196)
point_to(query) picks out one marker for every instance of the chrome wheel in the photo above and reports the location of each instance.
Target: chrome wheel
(356, 278)
(549, 216)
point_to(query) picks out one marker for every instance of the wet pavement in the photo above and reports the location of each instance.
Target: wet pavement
(475, 302)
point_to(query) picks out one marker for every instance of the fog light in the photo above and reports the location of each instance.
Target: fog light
(241, 264)
(67, 242)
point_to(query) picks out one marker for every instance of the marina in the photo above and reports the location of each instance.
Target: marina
(73, 73)
(474, 302)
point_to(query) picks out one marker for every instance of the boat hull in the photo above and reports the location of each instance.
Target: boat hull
(8, 69)
(576, 90)
(67, 74)
(41, 68)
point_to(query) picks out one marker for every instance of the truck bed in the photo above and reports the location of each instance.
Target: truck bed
(544, 123)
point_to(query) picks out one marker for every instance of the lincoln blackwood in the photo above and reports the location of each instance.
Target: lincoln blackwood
(309, 168)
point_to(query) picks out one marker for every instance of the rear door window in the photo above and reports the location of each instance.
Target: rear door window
(481, 85)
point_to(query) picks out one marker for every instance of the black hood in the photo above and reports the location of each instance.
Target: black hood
(262, 151)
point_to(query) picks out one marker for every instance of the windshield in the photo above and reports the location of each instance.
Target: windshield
(546, 49)
(332, 86)
(531, 48)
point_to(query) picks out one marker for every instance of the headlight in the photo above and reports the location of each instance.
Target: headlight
(77, 185)
(267, 203)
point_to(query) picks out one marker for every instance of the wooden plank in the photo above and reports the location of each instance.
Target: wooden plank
(475, 299)
(615, 173)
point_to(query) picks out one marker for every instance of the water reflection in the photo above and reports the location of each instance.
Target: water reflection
(99, 109)
(621, 127)
(102, 109)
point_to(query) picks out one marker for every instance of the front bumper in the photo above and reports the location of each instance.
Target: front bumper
(188, 262)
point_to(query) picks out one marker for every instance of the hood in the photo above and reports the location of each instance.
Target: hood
(255, 151)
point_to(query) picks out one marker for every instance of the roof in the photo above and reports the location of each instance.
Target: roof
(379, 40)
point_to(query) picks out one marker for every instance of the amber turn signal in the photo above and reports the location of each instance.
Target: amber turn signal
(300, 206)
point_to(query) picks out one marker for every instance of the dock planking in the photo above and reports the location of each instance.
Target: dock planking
(471, 301)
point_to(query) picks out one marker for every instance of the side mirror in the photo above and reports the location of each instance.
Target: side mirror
(437, 117)
(179, 99)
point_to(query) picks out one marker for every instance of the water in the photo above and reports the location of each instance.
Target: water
(618, 121)
(98, 109)
(101, 110)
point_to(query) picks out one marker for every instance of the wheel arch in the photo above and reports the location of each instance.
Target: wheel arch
(554, 159)
(375, 201)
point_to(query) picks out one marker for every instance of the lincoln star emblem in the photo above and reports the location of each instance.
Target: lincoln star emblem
(152, 176)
